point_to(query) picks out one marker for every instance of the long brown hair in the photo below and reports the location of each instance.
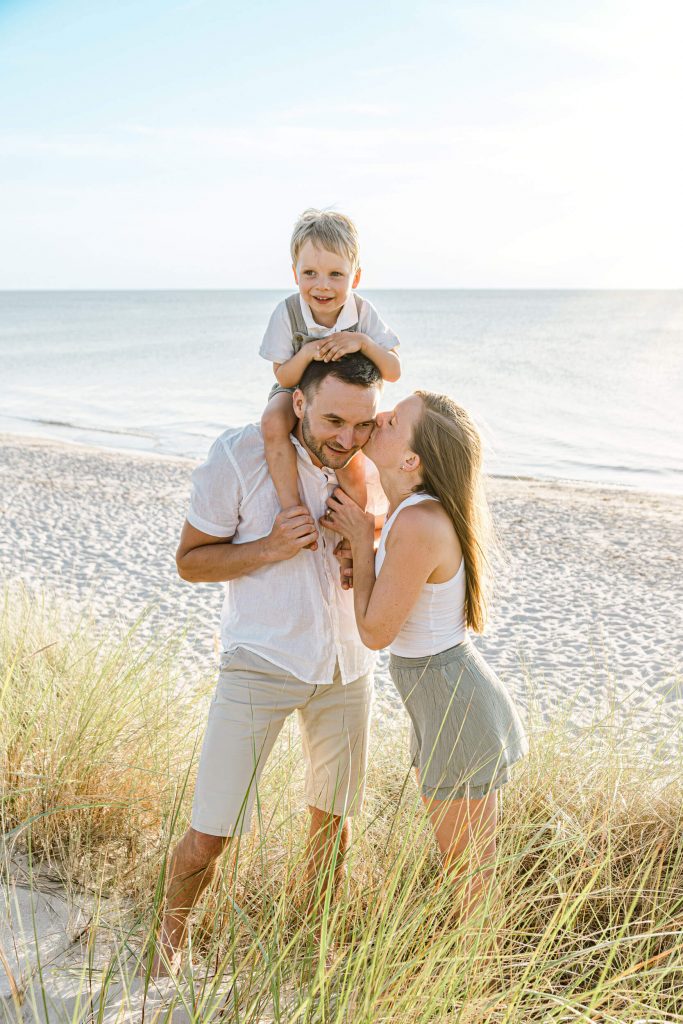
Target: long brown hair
(450, 451)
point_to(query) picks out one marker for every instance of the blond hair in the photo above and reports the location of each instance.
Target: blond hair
(327, 230)
(450, 451)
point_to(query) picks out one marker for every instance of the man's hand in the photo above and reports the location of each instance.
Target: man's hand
(293, 530)
(334, 346)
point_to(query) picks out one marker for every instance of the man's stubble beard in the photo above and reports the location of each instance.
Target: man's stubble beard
(316, 448)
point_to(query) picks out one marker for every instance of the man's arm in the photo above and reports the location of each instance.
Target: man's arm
(201, 558)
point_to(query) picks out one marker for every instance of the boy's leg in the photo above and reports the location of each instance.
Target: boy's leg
(352, 480)
(277, 422)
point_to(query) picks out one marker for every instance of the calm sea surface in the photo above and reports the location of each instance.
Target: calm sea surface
(564, 384)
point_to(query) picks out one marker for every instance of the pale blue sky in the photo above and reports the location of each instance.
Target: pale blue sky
(482, 144)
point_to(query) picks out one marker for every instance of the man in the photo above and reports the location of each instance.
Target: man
(289, 637)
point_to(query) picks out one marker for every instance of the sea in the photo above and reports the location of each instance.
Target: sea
(573, 385)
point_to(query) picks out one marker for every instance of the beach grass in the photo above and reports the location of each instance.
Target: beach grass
(99, 738)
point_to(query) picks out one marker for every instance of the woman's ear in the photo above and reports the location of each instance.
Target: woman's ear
(410, 463)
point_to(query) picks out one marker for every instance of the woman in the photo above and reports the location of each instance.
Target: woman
(419, 595)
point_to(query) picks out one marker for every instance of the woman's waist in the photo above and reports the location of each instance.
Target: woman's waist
(440, 655)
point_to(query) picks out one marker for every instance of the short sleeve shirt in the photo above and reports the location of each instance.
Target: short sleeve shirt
(277, 341)
(294, 613)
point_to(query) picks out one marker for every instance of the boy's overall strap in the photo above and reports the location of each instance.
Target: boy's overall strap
(296, 317)
(359, 305)
(297, 323)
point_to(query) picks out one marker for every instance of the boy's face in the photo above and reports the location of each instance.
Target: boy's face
(325, 280)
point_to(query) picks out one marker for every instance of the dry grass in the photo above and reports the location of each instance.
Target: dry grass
(96, 737)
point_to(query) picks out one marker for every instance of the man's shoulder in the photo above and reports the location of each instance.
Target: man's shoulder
(241, 442)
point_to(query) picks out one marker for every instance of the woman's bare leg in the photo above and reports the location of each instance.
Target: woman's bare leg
(465, 832)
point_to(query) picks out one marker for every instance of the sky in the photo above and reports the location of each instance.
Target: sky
(488, 144)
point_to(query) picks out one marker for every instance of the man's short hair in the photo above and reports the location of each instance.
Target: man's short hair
(327, 230)
(354, 368)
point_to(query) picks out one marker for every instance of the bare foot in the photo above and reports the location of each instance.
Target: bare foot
(161, 966)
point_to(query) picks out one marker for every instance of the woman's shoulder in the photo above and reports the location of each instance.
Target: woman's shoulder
(427, 528)
(424, 518)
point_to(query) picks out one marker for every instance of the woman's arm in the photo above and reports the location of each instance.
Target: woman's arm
(413, 552)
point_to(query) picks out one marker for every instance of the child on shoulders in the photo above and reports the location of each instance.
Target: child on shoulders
(324, 321)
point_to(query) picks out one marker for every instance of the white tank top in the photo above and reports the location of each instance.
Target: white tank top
(437, 619)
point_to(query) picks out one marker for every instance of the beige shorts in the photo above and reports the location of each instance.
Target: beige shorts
(252, 700)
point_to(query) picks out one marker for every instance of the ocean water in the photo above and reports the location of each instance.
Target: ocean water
(576, 385)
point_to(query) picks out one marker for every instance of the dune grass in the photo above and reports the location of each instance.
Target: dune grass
(98, 745)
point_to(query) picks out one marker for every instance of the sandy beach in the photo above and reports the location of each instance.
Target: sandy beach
(587, 617)
(589, 590)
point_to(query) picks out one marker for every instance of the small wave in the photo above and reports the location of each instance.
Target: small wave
(86, 427)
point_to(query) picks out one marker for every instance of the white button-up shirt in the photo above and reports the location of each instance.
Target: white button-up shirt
(277, 341)
(293, 613)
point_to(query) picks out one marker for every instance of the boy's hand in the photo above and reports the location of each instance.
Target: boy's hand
(334, 346)
(313, 348)
(343, 555)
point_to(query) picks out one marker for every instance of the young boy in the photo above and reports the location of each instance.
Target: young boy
(326, 320)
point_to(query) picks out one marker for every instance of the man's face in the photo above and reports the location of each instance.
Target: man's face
(337, 421)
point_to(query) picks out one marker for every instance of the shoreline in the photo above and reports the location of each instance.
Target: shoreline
(37, 440)
(587, 607)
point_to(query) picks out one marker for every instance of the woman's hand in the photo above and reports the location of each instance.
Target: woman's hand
(346, 517)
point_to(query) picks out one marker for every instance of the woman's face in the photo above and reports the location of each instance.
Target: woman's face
(390, 441)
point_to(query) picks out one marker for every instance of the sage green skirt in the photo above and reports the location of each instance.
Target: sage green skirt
(466, 732)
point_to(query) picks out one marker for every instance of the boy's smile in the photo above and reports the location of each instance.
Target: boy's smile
(325, 280)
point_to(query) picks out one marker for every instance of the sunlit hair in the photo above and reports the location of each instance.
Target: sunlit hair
(450, 451)
(354, 368)
(326, 230)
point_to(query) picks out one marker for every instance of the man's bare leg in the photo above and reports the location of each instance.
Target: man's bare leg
(191, 869)
(327, 830)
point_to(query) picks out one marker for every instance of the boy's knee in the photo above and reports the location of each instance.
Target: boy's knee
(274, 426)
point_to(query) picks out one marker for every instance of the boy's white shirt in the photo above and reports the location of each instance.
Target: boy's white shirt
(277, 341)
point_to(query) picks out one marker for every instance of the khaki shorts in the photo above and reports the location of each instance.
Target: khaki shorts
(252, 700)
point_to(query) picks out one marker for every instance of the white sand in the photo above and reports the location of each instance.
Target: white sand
(589, 598)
